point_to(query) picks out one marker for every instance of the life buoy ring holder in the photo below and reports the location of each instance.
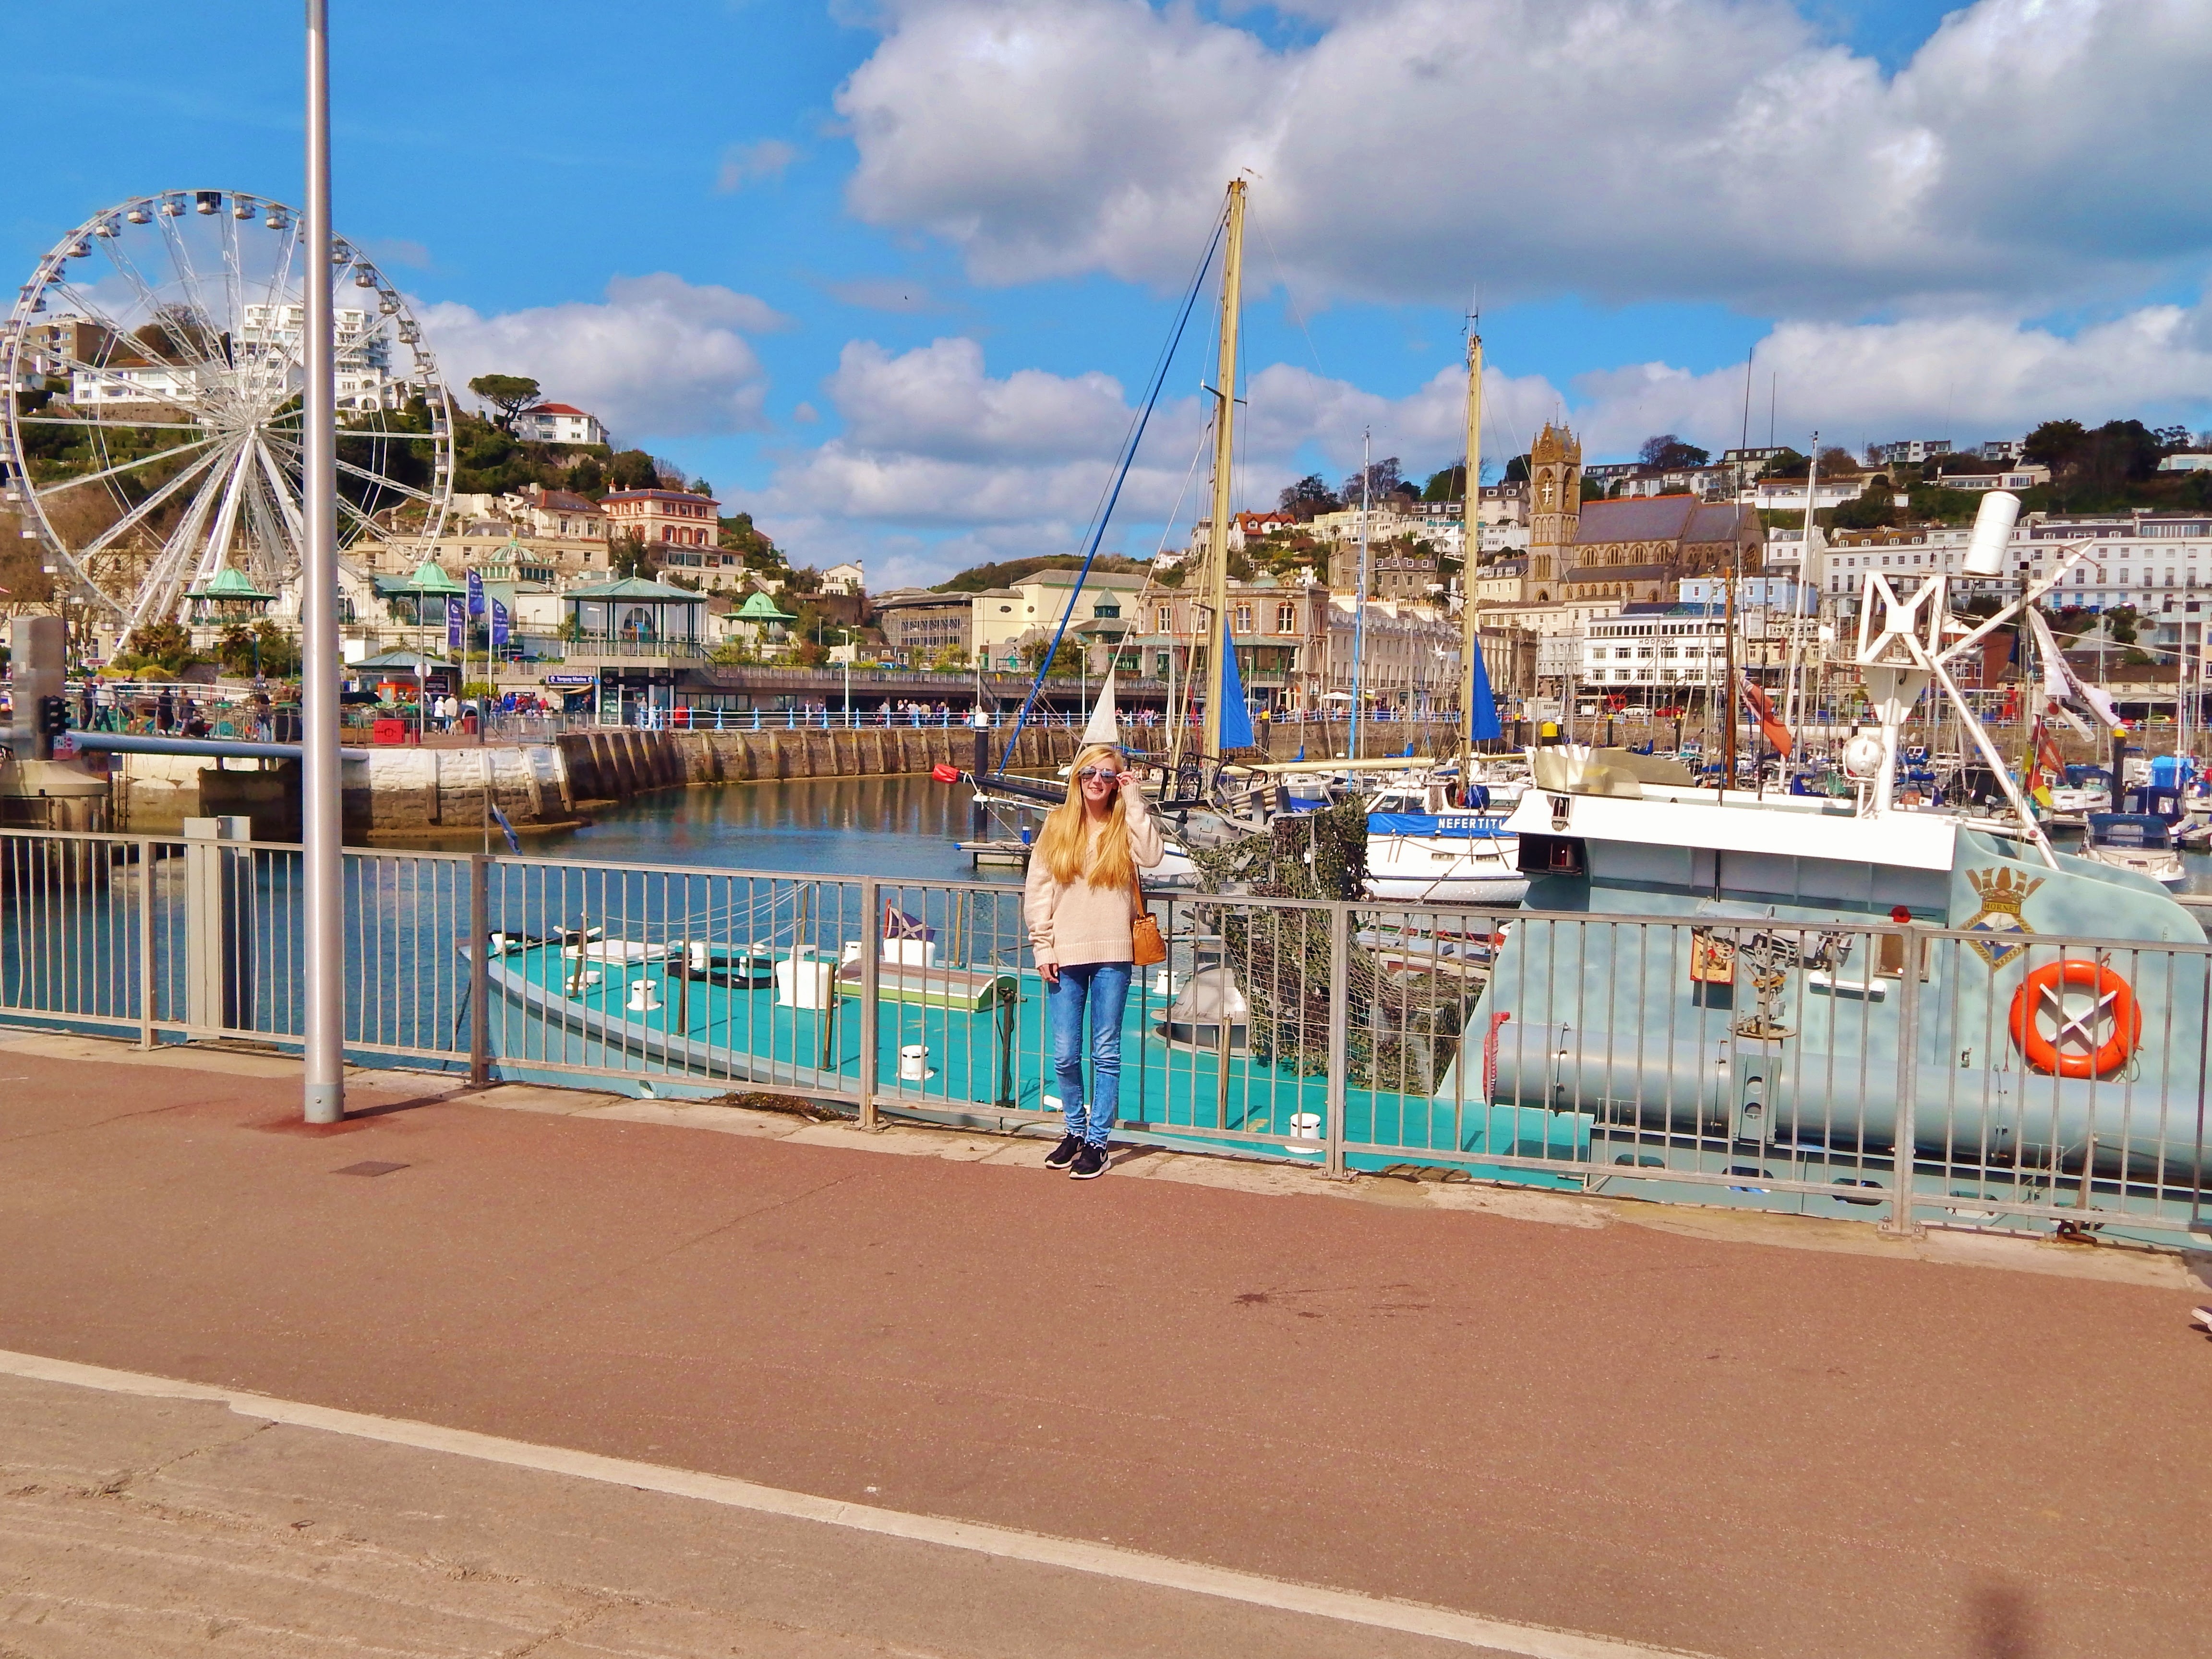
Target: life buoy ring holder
(2042, 993)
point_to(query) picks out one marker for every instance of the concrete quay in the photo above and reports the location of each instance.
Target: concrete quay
(546, 1371)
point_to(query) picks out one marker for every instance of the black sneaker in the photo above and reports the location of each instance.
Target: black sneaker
(1064, 1154)
(1090, 1164)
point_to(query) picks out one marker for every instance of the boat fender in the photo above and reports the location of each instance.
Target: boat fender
(944, 774)
(2041, 993)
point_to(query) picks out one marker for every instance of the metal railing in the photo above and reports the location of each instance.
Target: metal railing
(1880, 1074)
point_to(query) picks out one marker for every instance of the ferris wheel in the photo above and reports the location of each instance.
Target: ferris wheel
(152, 375)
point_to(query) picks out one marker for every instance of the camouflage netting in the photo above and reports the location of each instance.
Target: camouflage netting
(1404, 1023)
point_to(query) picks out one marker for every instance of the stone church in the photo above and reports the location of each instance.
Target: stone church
(1633, 551)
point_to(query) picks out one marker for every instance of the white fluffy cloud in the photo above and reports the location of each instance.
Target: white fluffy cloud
(940, 464)
(1967, 378)
(1619, 148)
(658, 358)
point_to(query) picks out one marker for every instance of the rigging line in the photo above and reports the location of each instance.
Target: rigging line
(1128, 457)
(1289, 305)
(1166, 529)
(1104, 504)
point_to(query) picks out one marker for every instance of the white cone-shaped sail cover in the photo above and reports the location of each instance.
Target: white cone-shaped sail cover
(1102, 728)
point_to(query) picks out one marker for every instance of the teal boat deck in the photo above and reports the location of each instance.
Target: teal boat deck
(693, 1036)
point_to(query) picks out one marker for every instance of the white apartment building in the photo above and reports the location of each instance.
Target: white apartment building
(2149, 560)
(1002, 618)
(1787, 495)
(850, 578)
(559, 423)
(1407, 655)
(1658, 653)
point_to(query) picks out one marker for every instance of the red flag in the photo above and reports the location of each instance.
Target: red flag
(2047, 757)
(1770, 723)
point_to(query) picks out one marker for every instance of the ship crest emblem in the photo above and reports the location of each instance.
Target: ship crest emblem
(2003, 892)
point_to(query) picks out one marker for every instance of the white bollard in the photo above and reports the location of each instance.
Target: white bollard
(914, 1063)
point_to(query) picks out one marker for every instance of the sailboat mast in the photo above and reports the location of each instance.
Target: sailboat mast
(1225, 410)
(1471, 512)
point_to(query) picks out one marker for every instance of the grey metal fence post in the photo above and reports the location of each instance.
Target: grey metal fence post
(479, 971)
(1900, 1222)
(1340, 997)
(146, 1009)
(872, 951)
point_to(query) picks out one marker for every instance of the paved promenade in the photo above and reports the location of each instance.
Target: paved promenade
(585, 1378)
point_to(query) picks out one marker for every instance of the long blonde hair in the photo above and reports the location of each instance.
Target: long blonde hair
(1067, 838)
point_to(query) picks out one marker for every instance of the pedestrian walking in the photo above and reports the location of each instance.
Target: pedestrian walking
(1079, 903)
(165, 711)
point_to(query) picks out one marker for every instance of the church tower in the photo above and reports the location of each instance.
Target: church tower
(1555, 506)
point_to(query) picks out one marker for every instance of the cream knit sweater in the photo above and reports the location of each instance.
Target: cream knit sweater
(1076, 923)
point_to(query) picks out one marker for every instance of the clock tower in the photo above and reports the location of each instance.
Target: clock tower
(1555, 506)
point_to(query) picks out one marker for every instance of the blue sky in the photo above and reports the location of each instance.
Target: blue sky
(1710, 176)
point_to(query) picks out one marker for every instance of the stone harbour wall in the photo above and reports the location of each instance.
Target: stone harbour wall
(408, 793)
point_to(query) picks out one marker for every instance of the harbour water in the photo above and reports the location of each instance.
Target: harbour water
(901, 826)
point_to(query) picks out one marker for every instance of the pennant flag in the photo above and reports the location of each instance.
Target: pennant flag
(499, 625)
(2060, 682)
(457, 623)
(1102, 728)
(507, 830)
(476, 593)
(1236, 718)
(1482, 712)
(898, 924)
(1770, 723)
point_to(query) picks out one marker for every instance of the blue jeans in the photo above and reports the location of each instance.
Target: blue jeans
(1105, 987)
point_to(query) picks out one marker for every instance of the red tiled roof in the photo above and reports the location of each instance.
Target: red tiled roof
(554, 409)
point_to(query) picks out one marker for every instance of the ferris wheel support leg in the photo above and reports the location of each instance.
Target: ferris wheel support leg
(322, 802)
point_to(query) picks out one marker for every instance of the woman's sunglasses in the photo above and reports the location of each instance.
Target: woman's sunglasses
(1107, 772)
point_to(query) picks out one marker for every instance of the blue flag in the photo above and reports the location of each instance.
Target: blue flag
(1236, 718)
(457, 623)
(499, 625)
(476, 593)
(1482, 718)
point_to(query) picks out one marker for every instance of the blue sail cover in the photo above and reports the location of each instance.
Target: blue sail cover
(1483, 715)
(1236, 718)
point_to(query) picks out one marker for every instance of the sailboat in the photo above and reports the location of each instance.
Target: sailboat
(1423, 845)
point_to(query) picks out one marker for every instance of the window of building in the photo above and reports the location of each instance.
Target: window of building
(1287, 618)
(1243, 623)
(1164, 620)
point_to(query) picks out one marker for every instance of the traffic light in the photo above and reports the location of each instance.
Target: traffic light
(54, 716)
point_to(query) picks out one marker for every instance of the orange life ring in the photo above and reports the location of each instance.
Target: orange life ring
(2107, 987)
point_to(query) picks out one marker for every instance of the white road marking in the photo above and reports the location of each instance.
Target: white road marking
(1413, 1618)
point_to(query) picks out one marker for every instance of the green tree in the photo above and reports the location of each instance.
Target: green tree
(2053, 444)
(1875, 509)
(2122, 622)
(1665, 452)
(1308, 498)
(630, 556)
(1448, 485)
(586, 477)
(1067, 660)
(507, 394)
(633, 469)
(1788, 464)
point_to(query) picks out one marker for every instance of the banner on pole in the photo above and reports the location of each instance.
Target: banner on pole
(499, 625)
(476, 593)
(457, 623)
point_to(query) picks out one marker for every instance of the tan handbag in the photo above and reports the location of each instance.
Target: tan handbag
(1146, 948)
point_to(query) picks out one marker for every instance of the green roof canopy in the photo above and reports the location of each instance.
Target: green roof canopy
(638, 588)
(230, 583)
(758, 607)
(430, 577)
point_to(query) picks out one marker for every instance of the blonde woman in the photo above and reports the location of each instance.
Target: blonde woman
(1078, 903)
